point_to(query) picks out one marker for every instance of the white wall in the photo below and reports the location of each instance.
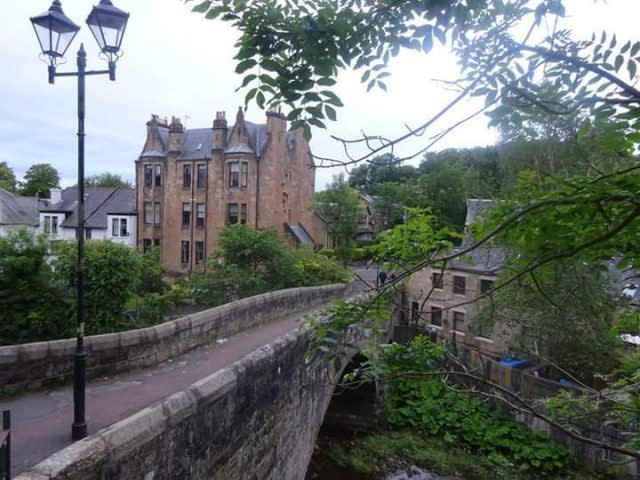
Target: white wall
(130, 238)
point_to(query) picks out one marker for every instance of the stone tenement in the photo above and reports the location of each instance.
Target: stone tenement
(34, 364)
(257, 419)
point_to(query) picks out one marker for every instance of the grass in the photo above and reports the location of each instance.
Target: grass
(394, 450)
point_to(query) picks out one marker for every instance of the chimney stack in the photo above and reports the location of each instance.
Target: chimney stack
(220, 131)
(176, 135)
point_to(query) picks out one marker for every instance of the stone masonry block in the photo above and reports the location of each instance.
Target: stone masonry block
(131, 338)
(31, 476)
(179, 406)
(8, 355)
(132, 433)
(165, 330)
(79, 461)
(103, 343)
(214, 386)
(32, 352)
(62, 348)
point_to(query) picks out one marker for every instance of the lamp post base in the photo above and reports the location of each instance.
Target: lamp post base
(78, 431)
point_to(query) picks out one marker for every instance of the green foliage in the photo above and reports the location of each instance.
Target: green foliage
(360, 254)
(31, 308)
(39, 179)
(370, 454)
(106, 179)
(382, 169)
(407, 244)
(250, 261)
(7, 178)
(339, 207)
(151, 272)
(566, 314)
(153, 307)
(420, 400)
(111, 278)
(311, 268)
(329, 328)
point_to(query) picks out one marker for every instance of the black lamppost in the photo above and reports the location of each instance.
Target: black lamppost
(55, 32)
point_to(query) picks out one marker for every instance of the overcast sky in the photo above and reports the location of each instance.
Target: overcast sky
(177, 63)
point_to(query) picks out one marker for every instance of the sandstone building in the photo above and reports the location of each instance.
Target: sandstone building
(190, 183)
(444, 300)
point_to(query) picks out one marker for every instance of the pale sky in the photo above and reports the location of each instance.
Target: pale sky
(177, 63)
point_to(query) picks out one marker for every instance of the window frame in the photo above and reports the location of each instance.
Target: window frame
(199, 254)
(148, 175)
(157, 213)
(186, 176)
(235, 207)
(234, 174)
(186, 214)
(115, 227)
(146, 245)
(244, 174)
(483, 282)
(437, 280)
(201, 176)
(124, 230)
(185, 252)
(147, 215)
(200, 220)
(456, 313)
(244, 214)
(436, 310)
(415, 312)
(457, 289)
(157, 175)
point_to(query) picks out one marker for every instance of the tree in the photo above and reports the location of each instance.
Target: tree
(385, 168)
(7, 178)
(565, 318)
(30, 304)
(339, 207)
(106, 179)
(39, 179)
(249, 261)
(532, 75)
(112, 278)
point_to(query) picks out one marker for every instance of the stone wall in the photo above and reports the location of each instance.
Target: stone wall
(35, 364)
(257, 419)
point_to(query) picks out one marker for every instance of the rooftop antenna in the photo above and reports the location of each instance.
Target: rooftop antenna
(186, 117)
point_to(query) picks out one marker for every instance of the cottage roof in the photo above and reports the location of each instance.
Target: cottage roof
(482, 260)
(17, 210)
(301, 234)
(99, 203)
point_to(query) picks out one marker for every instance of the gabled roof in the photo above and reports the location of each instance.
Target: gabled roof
(17, 210)
(99, 202)
(198, 142)
(482, 260)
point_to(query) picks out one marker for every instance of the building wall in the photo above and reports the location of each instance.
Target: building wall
(280, 186)
(6, 229)
(421, 291)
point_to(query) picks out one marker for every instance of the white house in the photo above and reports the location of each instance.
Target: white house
(110, 213)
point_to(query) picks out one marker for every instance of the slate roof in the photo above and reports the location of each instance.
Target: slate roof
(301, 234)
(98, 203)
(17, 210)
(482, 260)
(198, 142)
(475, 207)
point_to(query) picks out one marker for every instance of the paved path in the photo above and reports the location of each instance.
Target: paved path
(41, 421)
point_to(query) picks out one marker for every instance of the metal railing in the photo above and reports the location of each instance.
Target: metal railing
(5, 446)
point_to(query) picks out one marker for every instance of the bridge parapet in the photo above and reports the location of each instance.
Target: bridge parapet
(257, 419)
(34, 364)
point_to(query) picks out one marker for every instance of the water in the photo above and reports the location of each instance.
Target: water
(415, 473)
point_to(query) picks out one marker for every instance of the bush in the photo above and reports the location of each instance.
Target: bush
(31, 306)
(360, 254)
(310, 268)
(112, 277)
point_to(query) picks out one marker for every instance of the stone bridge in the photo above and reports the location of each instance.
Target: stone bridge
(257, 418)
